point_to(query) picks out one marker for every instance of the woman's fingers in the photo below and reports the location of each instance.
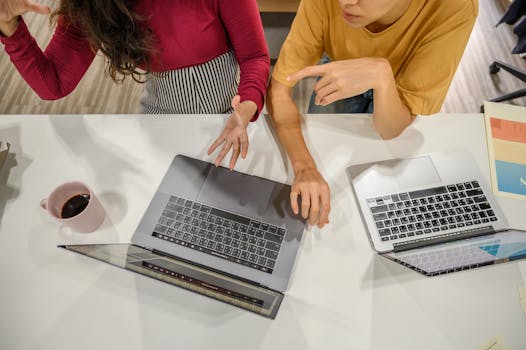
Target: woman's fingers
(235, 154)
(224, 151)
(216, 144)
(233, 136)
(244, 145)
(38, 8)
(239, 147)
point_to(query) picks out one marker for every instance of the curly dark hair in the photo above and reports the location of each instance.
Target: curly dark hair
(114, 28)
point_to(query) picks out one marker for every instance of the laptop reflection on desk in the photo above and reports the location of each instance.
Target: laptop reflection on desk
(220, 233)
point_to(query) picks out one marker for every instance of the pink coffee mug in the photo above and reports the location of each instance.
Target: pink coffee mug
(75, 204)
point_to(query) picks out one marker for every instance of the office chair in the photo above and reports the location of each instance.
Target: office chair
(515, 12)
(494, 68)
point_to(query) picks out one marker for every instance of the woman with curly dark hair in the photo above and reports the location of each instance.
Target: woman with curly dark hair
(195, 56)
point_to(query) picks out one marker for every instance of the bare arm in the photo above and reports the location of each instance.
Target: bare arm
(286, 122)
(390, 116)
(308, 182)
(56, 71)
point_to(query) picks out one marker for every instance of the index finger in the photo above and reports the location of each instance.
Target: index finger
(311, 71)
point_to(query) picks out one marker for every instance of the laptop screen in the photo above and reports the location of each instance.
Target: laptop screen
(262, 301)
(465, 254)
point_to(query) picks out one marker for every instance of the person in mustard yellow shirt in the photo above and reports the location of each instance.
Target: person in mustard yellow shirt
(394, 59)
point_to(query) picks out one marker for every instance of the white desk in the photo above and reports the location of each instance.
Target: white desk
(342, 296)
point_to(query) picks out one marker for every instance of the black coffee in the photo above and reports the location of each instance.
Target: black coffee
(74, 206)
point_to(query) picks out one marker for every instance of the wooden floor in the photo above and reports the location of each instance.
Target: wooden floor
(98, 94)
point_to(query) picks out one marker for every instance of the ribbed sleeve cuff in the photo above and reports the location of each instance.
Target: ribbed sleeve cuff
(254, 95)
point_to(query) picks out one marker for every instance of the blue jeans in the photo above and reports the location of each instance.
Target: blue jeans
(357, 104)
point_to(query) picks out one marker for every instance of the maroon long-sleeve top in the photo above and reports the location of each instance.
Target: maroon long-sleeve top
(188, 32)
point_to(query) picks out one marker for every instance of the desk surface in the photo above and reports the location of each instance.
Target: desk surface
(341, 296)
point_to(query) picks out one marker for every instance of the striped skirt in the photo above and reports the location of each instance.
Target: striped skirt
(206, 88)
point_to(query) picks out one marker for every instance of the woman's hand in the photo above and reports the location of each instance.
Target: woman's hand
(315, 196)
(9, 9)
(234, 134)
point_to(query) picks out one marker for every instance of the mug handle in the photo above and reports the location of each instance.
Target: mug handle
(43, 203)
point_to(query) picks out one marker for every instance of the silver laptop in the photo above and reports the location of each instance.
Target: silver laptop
(434, 213)
(221, 233)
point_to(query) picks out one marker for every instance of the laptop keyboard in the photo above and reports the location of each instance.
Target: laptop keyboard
(222, 234)
(412, 214)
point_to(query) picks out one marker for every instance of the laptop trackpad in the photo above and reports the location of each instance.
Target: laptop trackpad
(397, 174)
(236, 192)
(415, 172)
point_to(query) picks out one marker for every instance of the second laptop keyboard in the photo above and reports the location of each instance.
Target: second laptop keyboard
(226, 235)
(412, 214)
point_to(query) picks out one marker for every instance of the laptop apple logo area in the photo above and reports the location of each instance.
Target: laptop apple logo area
(236, 193)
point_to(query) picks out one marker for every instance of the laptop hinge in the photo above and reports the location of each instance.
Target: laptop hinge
(448, 237)
(155, 251)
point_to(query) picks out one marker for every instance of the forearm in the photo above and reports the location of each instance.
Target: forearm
(8, 28)
(56, 72)
(390, 115)
(286, 121)
(247, 39)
